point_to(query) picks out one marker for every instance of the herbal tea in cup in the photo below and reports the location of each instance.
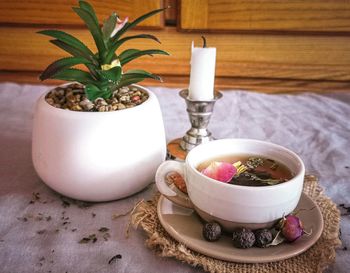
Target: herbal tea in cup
(246, 170)
(270, 194)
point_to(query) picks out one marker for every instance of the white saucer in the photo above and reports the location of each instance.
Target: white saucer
(186, 227)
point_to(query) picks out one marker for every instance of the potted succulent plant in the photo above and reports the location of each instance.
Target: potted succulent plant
(101, 137)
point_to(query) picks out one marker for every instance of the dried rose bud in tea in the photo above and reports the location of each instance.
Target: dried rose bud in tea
(221, 171)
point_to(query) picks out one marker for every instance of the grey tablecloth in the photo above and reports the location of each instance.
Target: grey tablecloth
(43, 235)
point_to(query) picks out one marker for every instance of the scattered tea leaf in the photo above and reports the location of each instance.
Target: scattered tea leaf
(103, 229)
(42, 259)
(91, 238)
(65, 203)
(39, 217)
(85, 240)
(74, 229)
(93, 215)
(48, 218)
(83, 205)
(106, 236)
(23, 219)
(344, 210)
(114, 258)
(35, 197)
(278, 239)
(42, 231)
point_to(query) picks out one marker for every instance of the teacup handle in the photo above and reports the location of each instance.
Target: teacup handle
(166, 167)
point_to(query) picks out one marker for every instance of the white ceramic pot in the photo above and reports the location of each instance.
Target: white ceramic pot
(233, 205)
(98, 156)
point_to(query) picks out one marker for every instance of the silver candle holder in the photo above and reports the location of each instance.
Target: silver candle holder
(199, 113)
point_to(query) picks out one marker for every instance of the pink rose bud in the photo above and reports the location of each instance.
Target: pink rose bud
(221, 171)
(292, 228)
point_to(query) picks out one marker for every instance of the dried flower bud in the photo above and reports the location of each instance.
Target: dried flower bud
(292, 228)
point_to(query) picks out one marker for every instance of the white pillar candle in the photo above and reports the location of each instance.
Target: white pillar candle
(202, 73)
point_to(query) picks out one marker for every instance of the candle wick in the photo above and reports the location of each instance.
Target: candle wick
(204, 42)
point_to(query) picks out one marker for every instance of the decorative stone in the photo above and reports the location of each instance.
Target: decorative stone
(135, 98)
(124, 90)
(50, 101)
(121, 106)
(100, 101)
(86, 104)
(124, 98)
(130, 105)
(73, 98)
(76, 108)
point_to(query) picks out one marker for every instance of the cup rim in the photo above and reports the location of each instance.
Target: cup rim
(296, 177)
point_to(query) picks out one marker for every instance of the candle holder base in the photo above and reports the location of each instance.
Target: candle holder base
(175, 151)
(194, 137)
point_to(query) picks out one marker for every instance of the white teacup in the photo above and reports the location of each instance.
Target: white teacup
(233, 205)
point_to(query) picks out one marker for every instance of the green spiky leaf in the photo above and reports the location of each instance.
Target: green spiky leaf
(93, 92)
(109, 26)
(135, 76)
(128, 81)
(61, 64)
(94, 29)
(73, 74)
(138, 73)
(134, 23)
(88, 8)
(68, 39)
(126, 59)
(74, 51)
(114, 74)
(127, 53)
(93, 70)
(116, 44)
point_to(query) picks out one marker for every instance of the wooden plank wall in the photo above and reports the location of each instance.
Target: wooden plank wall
(59, 12)
(267, 15)
(281, 46)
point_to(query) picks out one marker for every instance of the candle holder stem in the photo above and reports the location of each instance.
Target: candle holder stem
(199, 113)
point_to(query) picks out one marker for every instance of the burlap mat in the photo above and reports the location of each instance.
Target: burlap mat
(315, 259)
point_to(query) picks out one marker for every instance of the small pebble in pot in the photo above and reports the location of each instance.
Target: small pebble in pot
(263, 237)
(212, 231)
(135, 98)
(243, 238)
